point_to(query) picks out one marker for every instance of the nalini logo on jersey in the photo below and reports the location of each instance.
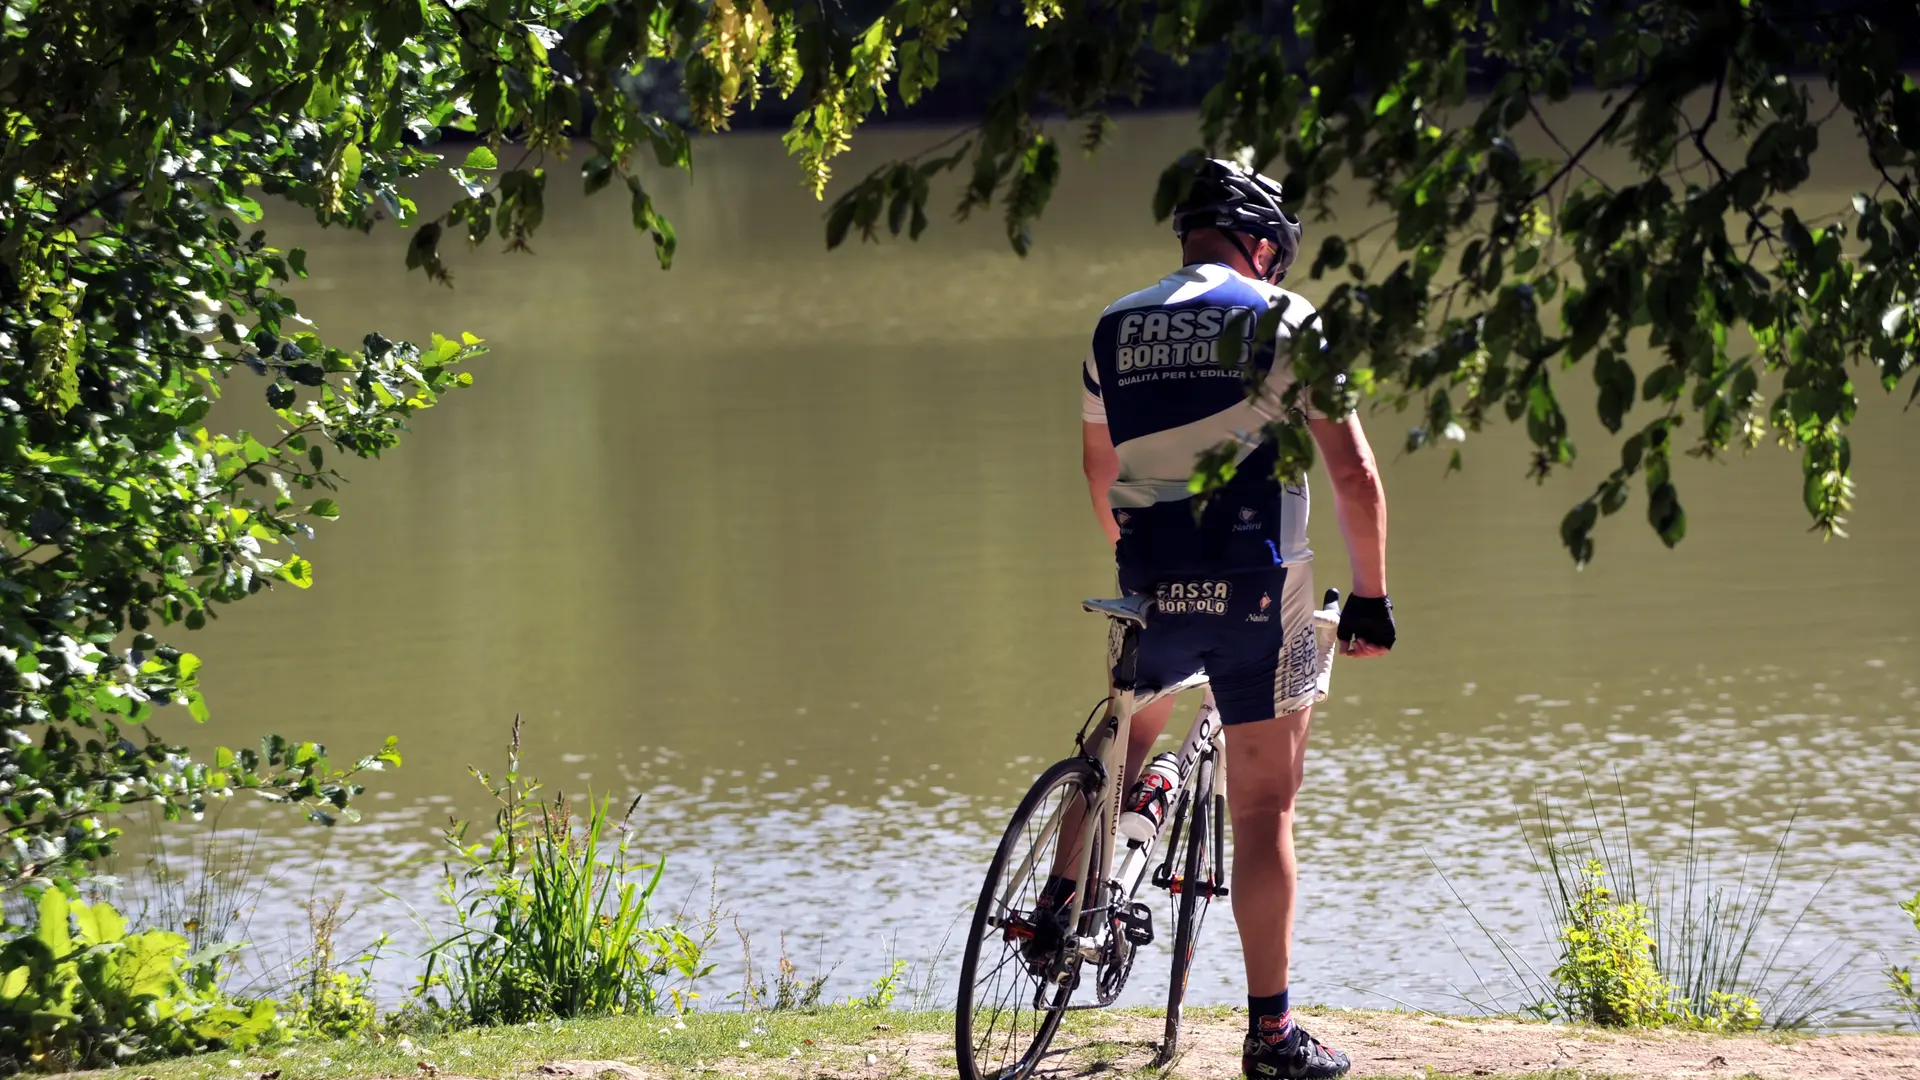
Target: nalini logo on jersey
(1266, 601)
(1160, 338)
(1249, 520)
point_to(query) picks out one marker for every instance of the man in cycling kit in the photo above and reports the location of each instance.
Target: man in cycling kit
(1235, 584)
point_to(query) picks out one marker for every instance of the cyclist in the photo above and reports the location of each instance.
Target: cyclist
(1235, 584)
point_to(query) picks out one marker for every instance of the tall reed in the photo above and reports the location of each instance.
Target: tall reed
(547, 922)
(1688, 938)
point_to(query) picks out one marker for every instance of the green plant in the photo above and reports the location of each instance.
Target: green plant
(1641, 944)
(80, 991)
(792, 990)
(1607, 974)
(546, 922)
(884, 988)
(326, 998)
(1900, 978)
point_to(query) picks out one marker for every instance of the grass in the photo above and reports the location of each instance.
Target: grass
(842, 1041)
(498, 1053)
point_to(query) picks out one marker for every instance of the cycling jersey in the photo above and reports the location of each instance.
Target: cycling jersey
(1154, 376)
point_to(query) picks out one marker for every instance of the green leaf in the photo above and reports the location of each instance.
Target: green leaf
(146, 964)
(1176, 180)
(98, 923)
(12, 986)
(1576, 531)
(1333, 256)
(423, 252)
(1615, 379)
(324, 101)
(1665, 514)
(51, 929)
(646, 219)
(325, 508)
(840, 220)
(480, 159)
(297, 571)
(595, 173)
(350, 165)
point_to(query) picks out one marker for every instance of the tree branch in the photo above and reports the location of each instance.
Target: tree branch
(1904, 187)
(1609, 124)
(1713, 117)
(1541, 119)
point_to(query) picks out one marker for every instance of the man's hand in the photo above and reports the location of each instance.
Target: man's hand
(1366, 626)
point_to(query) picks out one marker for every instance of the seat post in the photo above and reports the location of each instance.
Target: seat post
(1126, 667)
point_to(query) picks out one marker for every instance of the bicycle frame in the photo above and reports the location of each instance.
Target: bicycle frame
(1110, 750)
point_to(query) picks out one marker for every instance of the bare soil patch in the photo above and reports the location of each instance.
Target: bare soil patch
(1385, 1045)
(1401, 1044)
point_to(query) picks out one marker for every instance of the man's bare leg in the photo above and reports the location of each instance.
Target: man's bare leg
(1265, 761)
(1264, 764)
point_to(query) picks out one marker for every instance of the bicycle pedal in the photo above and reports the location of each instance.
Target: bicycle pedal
(1137, 923)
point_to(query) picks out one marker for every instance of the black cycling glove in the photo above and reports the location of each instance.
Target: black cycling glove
(1369, 618)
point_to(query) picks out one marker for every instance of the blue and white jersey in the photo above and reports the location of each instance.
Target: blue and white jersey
(1155, 378)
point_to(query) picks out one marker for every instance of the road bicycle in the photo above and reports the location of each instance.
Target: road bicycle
(1023, 964)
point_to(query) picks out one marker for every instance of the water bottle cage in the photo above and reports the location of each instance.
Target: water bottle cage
(1210, 889)
(1148, 790)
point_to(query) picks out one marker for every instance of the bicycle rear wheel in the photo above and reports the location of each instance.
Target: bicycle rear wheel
(1014, 983)
(1195, 887)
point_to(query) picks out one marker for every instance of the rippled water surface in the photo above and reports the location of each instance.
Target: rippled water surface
(791, 542)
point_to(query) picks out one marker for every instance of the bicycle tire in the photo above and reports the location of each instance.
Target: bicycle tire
(1194, 900)
(1074, 775)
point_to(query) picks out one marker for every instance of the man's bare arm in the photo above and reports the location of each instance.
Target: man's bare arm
(1102, 467)
(1359, 499)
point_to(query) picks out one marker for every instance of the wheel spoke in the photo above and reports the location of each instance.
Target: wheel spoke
(1007, 1013)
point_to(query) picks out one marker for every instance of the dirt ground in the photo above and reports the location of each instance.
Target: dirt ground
(1381, 1044)
(1402, 1044)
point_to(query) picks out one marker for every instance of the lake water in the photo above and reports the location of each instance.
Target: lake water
(791, 542)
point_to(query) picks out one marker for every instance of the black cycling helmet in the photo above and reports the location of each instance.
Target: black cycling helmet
(1235, 200)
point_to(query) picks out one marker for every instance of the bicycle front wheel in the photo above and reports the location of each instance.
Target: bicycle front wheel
(1017, 974)
(1195, 886)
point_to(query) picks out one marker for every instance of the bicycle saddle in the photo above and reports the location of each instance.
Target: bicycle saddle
(1132, 609)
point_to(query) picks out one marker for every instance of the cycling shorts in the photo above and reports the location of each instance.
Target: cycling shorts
(1251, 632)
